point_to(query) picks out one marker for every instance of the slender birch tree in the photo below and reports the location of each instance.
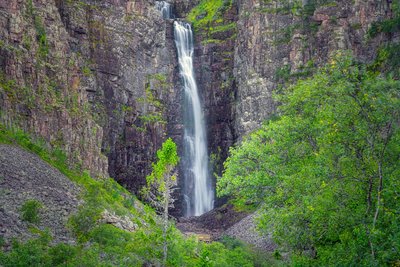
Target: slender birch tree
(160, 185)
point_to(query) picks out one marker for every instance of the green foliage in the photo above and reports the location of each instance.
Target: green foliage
(387, 60)
(223, 28)
(160, 185)
(110, 246)
(30, 211)
(84, 221)
(62, 254)
(86, 71)
(167, 159)
(39, 252)
(41, 37)
(205, 12)
(160, 178)
(103, 244)
(325, 173)
(385, 26)
(388, 26)
(283, 74)
(30, 7)
(208, 19)
(30, 253)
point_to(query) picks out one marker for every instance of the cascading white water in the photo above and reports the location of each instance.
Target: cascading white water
(197, 192)
(165, 9)
(199, 195)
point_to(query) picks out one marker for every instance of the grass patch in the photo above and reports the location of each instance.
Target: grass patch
(204, 13)
(207, 13)
(30, 211)
(223, 28)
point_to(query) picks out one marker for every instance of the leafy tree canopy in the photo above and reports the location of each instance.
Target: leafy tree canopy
(325, 173)
(167, 159)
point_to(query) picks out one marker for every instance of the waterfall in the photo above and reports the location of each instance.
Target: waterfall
(165, 9)
(197, 180)
(197, 192)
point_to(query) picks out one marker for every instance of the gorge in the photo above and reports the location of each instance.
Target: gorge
(102, 84)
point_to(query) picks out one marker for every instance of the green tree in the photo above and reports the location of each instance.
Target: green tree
(161, 183)
(325, 172)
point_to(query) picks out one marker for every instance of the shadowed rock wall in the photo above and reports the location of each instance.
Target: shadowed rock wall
(95, 78)
(100, 79)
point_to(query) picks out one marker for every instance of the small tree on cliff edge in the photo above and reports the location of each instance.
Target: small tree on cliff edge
(161, 183)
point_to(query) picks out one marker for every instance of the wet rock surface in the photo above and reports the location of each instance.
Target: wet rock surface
(23, 177)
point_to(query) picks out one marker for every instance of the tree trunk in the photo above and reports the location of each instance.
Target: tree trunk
(165, 223)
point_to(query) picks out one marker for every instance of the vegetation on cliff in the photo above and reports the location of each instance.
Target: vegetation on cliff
(209, 20)
(101, 242)
(325, 171)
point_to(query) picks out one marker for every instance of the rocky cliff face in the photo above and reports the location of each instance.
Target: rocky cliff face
(250, 49)
(132, 59)
(42, 86)
(100, 78)
(94, 78)
(279, 41)
(275, 42)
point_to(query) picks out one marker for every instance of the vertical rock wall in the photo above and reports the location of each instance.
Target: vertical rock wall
(95, 78)
(100, 79)
(42, 88)
(214, 64)
(277, 42)
(133, 61)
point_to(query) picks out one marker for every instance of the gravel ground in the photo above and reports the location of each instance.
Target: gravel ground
(226, 221)
(212, 223)
(245, 230)
(24, 176)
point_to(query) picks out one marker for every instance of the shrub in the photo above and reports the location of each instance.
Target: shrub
(30, 211)
(62, 254)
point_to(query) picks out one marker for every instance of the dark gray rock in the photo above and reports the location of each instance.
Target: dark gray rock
(246, 230)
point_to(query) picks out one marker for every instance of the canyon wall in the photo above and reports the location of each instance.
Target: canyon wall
(99, 79)
(252, 49)
(280, 42)
(94, 78)
(43, 89)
